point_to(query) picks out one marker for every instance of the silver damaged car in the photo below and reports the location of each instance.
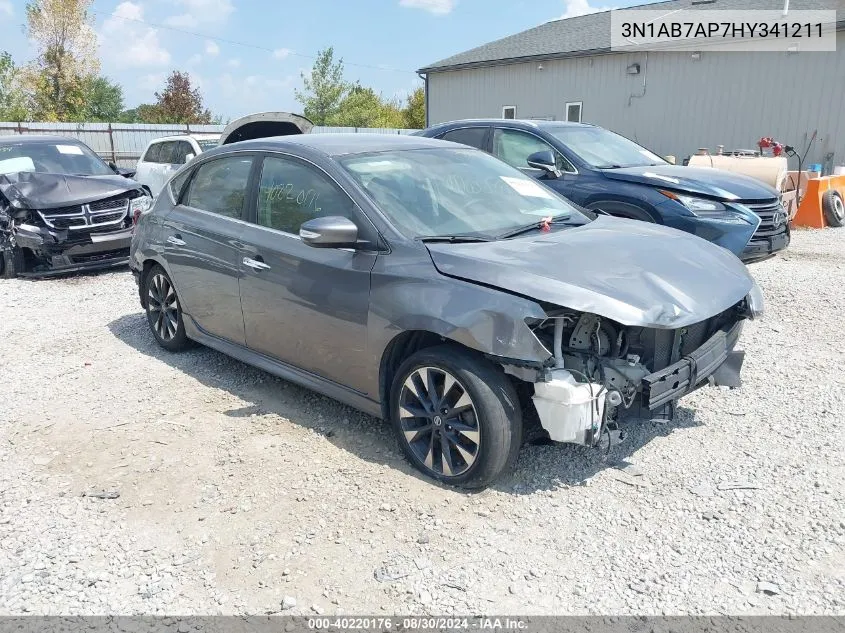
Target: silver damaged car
(433, 286)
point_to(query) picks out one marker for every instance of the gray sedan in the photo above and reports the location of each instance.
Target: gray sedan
(431, 285)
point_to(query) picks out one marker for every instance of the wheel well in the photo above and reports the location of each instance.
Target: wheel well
(148, 266)
(400, 348)
(412, 341)
(618, 208)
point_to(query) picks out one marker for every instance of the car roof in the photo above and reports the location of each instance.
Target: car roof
(339, 144)
(26, 139)
(182, 137)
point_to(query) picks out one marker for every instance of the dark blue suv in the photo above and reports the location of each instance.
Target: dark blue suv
(600, 170)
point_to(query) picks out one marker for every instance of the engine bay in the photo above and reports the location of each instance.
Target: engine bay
(604, 373)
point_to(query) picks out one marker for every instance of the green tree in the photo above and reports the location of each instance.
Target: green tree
(129, 116)
(13, 106)
(363, 107)
(148, 113)
(360, 107)
(179, 102)
(414, 112)
(103, 100)
(324, 89)
(391, 114)
(63, 33)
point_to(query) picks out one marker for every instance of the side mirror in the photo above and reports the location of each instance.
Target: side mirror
(188, 158)
(113, 167)
(329, 232)
(544, 160)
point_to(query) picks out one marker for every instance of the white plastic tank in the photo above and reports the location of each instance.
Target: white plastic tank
(569, 410)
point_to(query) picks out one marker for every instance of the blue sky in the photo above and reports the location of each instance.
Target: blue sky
(247, 55)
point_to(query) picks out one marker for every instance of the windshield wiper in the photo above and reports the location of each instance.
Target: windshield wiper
(558, 220)
(454, 239)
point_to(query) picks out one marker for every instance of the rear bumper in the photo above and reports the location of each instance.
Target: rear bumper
(692, 371)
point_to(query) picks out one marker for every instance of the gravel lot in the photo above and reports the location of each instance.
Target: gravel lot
(241, 493)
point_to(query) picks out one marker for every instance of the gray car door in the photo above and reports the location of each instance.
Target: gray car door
(305, 306)
(202, 249)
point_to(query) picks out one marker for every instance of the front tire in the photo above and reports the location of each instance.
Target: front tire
(164, 312)
(12, 262)
(456, 416)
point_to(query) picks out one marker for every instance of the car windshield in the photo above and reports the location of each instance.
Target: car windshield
(208, 143)
(455, 192)
(603, 149)
(69, 159)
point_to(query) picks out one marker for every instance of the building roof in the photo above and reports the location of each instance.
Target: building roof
(590, 34)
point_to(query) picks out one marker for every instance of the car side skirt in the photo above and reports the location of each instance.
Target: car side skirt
(293, 374)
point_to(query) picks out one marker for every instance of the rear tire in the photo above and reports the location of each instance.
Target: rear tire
(469, 433)
(833, 208)
(164, 312)
(12, 262)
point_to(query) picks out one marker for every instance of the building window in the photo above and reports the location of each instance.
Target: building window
(573, 111)
(509, 112)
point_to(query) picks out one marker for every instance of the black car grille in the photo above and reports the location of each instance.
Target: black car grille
(111, 203)
(773, 218)
(108, 213)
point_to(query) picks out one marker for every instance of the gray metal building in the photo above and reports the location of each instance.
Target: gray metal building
(674, 103)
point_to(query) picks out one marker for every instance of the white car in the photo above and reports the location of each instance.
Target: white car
(164, 156)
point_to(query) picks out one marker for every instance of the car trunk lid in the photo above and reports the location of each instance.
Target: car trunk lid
(264, 125)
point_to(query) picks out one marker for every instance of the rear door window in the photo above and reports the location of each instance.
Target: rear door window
(291, 192)
(177, 185)
(220, 186)
(472, 136)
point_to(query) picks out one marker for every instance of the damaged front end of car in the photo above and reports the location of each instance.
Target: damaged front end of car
(43, 233)
(635, 317)
(603, 374)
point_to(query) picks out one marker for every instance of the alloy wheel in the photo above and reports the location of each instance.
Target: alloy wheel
(163, 306)
(439, 421)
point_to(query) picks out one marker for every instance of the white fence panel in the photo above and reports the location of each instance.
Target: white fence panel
(124, 142)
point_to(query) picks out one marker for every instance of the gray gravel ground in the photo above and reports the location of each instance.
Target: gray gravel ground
(240, 493)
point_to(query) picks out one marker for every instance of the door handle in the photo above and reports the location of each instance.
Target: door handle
(255, 264)
(175, 241)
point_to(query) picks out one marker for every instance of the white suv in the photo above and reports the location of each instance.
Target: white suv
(164, 156)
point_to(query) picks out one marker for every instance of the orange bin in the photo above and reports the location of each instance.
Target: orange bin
(810, 211)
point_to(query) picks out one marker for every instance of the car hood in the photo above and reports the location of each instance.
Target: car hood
(49, 191)
(635, 273)
(716, 183)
